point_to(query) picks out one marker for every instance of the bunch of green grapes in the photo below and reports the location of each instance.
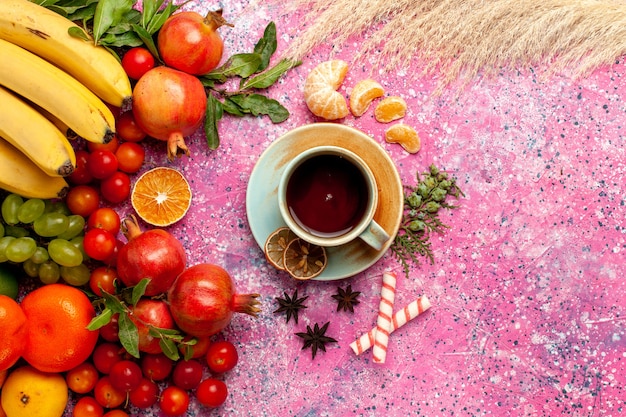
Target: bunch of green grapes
(45, 238)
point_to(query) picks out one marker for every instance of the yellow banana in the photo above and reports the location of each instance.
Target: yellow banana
(34, 135)
(45, 33)
(56, 91)
(20, 175)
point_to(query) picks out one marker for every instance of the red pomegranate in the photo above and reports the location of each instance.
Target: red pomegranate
(146, 313)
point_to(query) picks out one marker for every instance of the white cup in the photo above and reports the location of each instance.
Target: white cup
(327, 196)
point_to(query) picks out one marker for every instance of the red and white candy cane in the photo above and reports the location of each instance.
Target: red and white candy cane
(399, 319)
(385, 313)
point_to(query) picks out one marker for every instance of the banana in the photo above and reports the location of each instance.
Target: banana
(56, 91)
(20, 175)
(34, 135)
(45, 33)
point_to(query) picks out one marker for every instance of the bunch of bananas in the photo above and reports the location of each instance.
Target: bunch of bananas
(51, 83)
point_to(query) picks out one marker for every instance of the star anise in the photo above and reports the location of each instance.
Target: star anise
(316, 338)
(290, 305)
(346, 299)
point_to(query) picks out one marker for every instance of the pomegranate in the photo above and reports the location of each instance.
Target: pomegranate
(154, 254)
(189, 41)
(146, 313)
(168, 105)
(203, 300)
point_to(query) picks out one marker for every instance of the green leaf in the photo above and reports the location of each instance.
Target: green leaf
(129, 335)
(269, 77)
(147, 40)
(170, 349)
(258, 104)
(113, 303)
(240, 65)
(109, 13)
(266, 46)
(139, 290)
(231, 107)
(77, 32)
(101, 319)
(214, 113)
(149, 9)
(156, 21)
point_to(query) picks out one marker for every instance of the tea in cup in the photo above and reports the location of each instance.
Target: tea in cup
(328, 195)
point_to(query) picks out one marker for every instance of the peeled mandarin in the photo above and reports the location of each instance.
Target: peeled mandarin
(404, 135)
(363, 93)
(320, 90)
(389, 109)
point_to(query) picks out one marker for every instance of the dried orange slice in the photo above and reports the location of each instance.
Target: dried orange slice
(276, 244)
(320, 90)
(161, 196)
(405, 135)
(389, 109)
(303, 260)
(363, 93)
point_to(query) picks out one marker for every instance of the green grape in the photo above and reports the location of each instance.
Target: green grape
(57, 207)
(4, 242)
(75, 275)
(78, 242)
(16, 231)
(20, 249)
(10, 206)
(64, 253)
(30, 210)
(51, 224)
(76, 226)
(40, 256)
(31, 268)
(49, 272)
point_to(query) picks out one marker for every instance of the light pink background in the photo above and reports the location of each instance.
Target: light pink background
(527, 287)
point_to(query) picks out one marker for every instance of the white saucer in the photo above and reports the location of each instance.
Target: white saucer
(262, 201)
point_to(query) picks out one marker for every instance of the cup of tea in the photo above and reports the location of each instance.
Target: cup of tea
(328, 195)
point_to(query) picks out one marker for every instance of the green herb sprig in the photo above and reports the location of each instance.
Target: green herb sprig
(422, 204)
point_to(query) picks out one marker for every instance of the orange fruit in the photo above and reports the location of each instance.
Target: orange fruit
(58, 338)
(161, 196)
(275, 246)
(303, 260)
(389, 109)
(363, 93)
(320, 90)
(405, 135)
(13, 332)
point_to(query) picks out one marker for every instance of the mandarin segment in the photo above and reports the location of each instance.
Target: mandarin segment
(276, 244)
(404, 135)
(320, 90)
(389, 109)
(363, 93)
(161, 196)
(304, 260)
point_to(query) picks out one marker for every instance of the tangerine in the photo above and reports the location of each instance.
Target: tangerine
(161, 196)
(13, 332)
(405, 135)
(275, 246)
(320, 90)
(389, 109)
(363, 93)
(304, 260)
(58, 338)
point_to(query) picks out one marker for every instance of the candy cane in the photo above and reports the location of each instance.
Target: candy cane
(385, 313)
(399, 319)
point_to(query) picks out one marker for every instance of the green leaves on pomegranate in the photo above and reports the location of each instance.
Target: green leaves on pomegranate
(266, 46)
(257, 104)
(214, 112)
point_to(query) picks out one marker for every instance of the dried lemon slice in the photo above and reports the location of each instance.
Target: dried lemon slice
(389, 109)
(276, 244)
(303, 260)
(363, 93)
(161, 196)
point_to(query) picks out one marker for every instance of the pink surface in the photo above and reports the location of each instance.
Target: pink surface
(527, 287)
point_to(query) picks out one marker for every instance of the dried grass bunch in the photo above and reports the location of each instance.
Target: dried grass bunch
(460, 38)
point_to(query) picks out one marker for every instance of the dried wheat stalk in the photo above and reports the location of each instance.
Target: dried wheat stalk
(460, 38)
